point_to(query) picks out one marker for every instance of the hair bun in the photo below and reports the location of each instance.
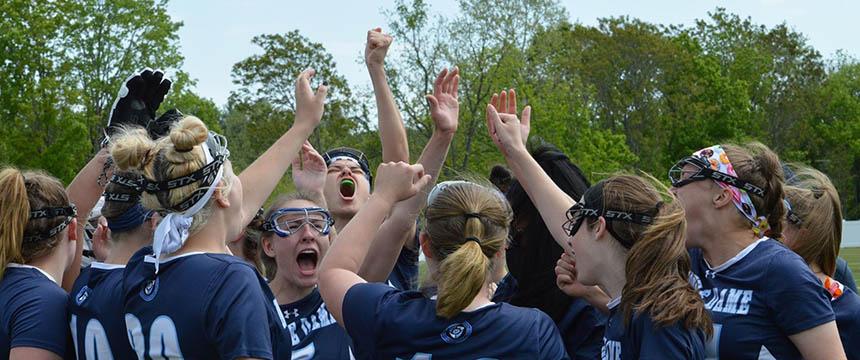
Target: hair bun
(188, 133)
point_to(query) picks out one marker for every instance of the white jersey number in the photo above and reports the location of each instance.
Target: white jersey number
(163, 341)
(96, 345)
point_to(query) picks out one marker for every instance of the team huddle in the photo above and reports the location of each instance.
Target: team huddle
(159, 250)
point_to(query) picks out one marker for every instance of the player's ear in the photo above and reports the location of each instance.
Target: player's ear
(424, 240)
(268, 246)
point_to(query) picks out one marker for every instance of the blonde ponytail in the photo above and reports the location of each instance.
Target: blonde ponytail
(462, 275)
(14, 214)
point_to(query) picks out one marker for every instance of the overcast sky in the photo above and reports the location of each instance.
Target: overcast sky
(218, 33)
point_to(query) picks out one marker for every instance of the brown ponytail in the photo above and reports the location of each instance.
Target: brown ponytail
(20, 193)
(657, 265)
(14, 214)
(467, 224)
(757, 164)
(814, 199)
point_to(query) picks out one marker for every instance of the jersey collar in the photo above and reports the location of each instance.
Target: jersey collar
(740, 256)
(106, 266)
(25, 266)
(613, 303)
(151, 259)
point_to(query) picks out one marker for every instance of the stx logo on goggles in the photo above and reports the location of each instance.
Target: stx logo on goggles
(37, 214)
(733, 181)
(589, 212)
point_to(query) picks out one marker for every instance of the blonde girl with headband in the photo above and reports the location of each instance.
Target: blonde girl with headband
(813, 229)
(763, 299)
(187, 296)
(628, 239)
(466, 230)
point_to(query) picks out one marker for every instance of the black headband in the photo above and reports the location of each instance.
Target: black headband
(592, 207)
(68, 211)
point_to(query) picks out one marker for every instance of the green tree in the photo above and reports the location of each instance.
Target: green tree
(110, 40)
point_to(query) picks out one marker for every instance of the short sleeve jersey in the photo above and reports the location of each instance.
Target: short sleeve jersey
(757, 299)
(846, 306)
(201, 306)
(581, 326)
(641, 338)
(386, 323)
(843, 274)
(33, 311)
(313, 330)
(98, 328)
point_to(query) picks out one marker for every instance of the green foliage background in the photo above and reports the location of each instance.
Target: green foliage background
(624, 94)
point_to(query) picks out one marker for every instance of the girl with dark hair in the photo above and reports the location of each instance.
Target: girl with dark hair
(629, 239)
(532, 255)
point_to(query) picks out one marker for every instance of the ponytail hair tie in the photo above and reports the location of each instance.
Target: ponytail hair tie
(659, 206)
(472, 238)
(472, 215)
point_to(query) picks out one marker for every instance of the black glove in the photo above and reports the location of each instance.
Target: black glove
(160, 127)
(138, 98)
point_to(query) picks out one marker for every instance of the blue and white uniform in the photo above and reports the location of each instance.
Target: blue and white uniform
(33, 311)
(201, 306)
(846, 306)
(758, 299)
(581, 327)
(98, 328)
(386, 323)
(643, 339)
(313, 330)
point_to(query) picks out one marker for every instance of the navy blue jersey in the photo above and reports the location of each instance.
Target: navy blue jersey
(757, 299)
(97, 324)
(404, 276)
(33, 311)
(201, 306)
(843, 274)
(641, 338)
(386, 323)
(581, 327)
(846, 306)
(313, 330)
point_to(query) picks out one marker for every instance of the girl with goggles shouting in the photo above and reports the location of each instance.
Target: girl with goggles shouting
(297, 233)
(628, 239)
(763, 299)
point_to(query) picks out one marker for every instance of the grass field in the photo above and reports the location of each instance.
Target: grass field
(852, 255)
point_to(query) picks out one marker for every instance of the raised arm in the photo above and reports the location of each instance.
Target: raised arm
(84, 191)
(399, 228)
(392, 133)
(339, 269)
(506, 131)
(309, 173)
(261, 177)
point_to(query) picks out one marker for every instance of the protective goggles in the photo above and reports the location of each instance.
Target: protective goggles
(69, 212)
(287, 221)
(591, 206)
(701, 170)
